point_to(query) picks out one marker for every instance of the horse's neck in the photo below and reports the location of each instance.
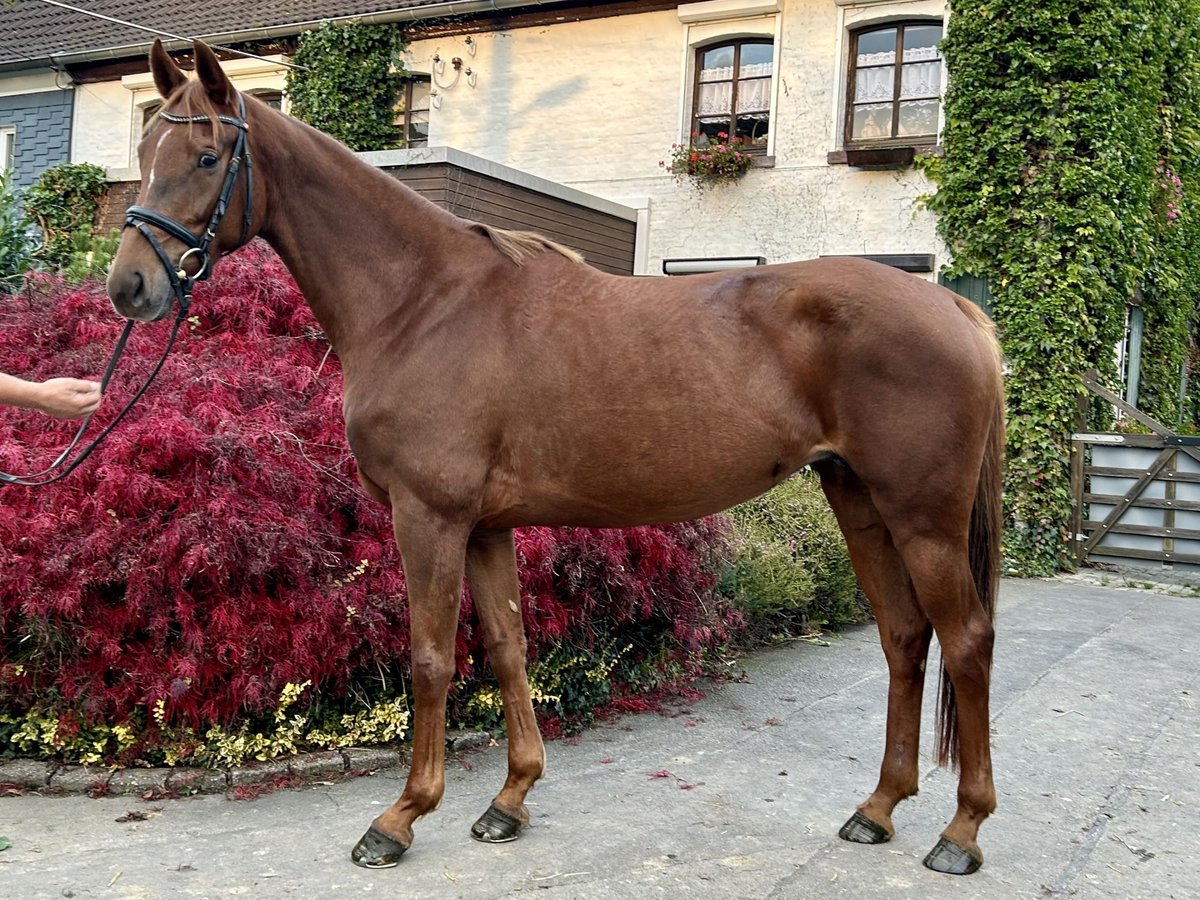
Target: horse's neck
(355, 240)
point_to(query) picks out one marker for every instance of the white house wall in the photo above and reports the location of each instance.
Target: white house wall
(597, 104)
(103, 125)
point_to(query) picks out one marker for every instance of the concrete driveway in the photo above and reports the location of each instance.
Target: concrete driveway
(1096, 737)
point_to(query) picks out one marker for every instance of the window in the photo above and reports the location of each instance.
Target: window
(273, 99)
(149, 111)
(8, 147)
(895, 83)
(412, 112)
(733, 91)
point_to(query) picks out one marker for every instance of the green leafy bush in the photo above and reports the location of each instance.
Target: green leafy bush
(90, 256)
(1063, 121)
(790, 570)
(16, 250)
(64, 203)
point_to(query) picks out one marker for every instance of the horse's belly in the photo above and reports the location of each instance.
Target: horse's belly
(625, 483)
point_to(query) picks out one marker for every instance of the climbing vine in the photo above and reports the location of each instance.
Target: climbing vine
(1171, 282)
(1063, 119)
(348, 83)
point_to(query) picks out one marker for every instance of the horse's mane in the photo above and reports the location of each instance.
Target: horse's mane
(520, 246)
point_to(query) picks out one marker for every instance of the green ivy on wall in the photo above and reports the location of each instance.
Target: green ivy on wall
(1063, 120)
(350, 82)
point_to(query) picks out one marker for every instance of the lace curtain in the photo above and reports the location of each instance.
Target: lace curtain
(920, 75)
(716, 90)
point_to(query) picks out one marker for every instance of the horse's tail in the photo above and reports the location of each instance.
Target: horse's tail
(986, 530)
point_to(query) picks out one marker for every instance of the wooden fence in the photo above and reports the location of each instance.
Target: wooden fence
(1136, 496)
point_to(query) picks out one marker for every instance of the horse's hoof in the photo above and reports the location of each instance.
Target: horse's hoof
(861, 830)
(375, 850)
(951, 859)
(496, 827)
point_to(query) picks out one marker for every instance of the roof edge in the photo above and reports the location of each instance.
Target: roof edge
(423, 156)
(410, 14)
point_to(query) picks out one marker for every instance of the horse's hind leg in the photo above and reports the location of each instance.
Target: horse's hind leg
(433, 555)
(946, 591)
(492, 573)
(905, 633)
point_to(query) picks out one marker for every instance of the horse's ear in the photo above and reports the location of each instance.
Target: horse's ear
(168, 77)
(211, 75)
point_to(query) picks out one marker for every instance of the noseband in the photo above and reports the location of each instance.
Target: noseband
(140, 217)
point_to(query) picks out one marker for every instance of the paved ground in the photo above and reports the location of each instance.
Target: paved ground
(1096, 734)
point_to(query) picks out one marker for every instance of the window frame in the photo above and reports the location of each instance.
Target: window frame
(927, 139)
(404, 115)
(8, 148)
(148, 111)
(730, 128)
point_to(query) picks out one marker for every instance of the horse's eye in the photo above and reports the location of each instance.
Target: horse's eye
(207, 160)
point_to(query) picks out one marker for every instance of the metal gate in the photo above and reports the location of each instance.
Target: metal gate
(1136, 496)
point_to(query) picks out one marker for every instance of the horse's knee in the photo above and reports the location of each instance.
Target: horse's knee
(507, 650)
(431, 669)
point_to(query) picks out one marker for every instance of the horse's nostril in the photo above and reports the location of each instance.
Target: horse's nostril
(128, 287)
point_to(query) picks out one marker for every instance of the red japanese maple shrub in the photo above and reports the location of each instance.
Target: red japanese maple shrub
(216, 547)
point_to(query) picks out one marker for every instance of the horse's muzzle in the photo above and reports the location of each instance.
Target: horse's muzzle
(137, 297)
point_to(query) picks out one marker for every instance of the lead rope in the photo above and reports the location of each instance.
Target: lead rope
(46, 476)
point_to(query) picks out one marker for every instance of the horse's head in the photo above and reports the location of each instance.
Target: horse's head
(196, 200)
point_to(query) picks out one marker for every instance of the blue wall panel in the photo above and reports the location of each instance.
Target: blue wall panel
(43, 128)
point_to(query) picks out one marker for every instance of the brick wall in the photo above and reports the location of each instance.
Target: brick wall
(118, 198)
(43, 129)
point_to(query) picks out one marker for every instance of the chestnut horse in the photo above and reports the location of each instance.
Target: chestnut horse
(493, 380)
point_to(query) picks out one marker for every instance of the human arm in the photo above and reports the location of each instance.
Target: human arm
(66, 398)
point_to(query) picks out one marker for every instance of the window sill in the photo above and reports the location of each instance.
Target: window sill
(879, 158)
(763, 162)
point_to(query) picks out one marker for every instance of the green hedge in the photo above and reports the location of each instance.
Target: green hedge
(790, 571)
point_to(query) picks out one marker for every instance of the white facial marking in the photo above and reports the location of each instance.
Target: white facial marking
(150, 177)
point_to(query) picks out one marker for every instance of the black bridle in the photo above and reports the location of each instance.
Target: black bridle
(182, 283)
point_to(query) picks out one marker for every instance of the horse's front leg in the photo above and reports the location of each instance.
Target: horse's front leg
(492, 573)
(433, 553)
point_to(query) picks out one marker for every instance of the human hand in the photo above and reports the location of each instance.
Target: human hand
(68, 398)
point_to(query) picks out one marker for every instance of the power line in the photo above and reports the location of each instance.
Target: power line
(160, 33)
